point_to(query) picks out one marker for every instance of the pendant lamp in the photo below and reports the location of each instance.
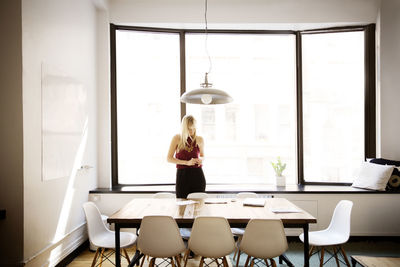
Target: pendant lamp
(206, 95)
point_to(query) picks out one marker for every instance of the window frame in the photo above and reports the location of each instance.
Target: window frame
(369, 73)
(369, 93)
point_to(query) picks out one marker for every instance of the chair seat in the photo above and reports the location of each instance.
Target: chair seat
(324, 238)
(185, 232)
(107, 239)
(237, 231)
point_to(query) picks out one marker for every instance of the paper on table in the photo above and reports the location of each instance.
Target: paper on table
(215, 201)
(284, 209)
(254, 202)
(186, 202)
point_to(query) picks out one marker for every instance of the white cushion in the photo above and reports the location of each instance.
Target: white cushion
(373, 176)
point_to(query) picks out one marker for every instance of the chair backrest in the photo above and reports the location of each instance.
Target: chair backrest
(94, 221)
(264, 238)
(211, 237)
(340, 222)
(197, 195)
(246, 195)
(164, 195)
(160, 237)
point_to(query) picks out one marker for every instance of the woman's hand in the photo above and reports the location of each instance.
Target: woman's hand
(191, 162)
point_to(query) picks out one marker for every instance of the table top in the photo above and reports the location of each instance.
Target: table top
(377, 261)
(233, 210)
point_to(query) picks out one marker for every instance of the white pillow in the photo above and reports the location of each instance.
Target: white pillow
(373, 176)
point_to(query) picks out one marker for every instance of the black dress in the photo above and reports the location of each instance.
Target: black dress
(189, 179)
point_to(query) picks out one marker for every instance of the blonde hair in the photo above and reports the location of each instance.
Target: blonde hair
(187, 122)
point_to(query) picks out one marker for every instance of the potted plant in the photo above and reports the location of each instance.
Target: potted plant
(279, 168)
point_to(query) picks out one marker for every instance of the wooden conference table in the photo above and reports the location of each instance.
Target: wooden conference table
(237, 214)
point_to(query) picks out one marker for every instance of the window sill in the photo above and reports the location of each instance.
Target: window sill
(235, 188)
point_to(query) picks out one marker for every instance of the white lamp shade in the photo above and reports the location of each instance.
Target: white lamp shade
(206, 96)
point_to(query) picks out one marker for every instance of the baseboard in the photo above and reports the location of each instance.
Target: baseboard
(67, 260)
(54, 254)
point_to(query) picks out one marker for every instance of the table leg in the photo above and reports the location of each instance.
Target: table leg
(306, 246)
(117, 246)
(136, 259)
(284, 258)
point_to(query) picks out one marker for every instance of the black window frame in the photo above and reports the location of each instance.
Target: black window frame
(369, 90)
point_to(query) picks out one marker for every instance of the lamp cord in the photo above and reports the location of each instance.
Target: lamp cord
(206, 40)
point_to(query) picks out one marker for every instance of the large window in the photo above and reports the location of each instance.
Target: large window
(148, 110)
(300, 96)
(258, 71)
(333, 105)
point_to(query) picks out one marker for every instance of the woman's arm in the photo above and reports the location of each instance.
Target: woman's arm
(171, 153)
(200, 142)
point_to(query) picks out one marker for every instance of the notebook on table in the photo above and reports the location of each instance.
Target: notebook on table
(254, 202)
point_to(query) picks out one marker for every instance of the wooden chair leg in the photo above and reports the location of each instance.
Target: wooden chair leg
(225, 262)
(247, 261)
(185, 258)
(178, 260)
(143, 258)
(172, 262)
(321, 262)
(252, 262)
(152, 261)
(201, 262)
(335, 252)
(311, 251)
(127, 257)
(345, 256)
(237, 250)
(101, 256)
(273, 262)
(238, 258)
(95, 257)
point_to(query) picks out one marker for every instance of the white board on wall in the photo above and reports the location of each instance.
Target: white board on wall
(64, 118)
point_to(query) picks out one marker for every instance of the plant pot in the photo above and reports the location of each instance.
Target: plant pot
(280, 180)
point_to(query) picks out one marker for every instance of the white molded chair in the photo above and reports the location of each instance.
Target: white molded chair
(211, 237)
(240, 231)
(101, 236)
(104, 219)
(164, 195)
(160, 238)
(197, 195)
(263, 239)
(337, 233)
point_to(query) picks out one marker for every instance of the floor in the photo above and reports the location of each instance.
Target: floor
(389, 248)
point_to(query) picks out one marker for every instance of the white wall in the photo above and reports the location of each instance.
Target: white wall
(390, 79)
(103, 100)
(11, 153)
(238, 12)
(61, 34)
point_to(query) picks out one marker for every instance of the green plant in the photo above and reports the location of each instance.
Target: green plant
(278, 167)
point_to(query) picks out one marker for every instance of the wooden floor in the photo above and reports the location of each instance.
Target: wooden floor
(85, 259)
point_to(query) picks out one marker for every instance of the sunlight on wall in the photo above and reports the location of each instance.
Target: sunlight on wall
(66, 208)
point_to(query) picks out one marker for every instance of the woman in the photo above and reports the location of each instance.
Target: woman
(187, 152)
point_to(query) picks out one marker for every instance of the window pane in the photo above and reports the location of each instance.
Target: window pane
(148, 82)
(241, 138)
(333, 105)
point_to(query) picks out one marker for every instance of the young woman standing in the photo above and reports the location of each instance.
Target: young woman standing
(187, 152)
